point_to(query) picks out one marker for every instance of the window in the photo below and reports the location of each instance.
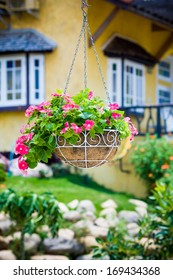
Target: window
(36, 79)
(14, 86)
(164, 95)
(133, 76)
(13, 81)
(165, 70)
(115, 81)
(133, 83)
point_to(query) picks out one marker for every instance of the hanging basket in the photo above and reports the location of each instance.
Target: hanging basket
(89, 152)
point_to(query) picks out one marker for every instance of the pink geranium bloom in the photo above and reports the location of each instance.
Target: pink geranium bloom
(21, 149)
(88, 125)
(115, 115)
(113, 106)
(22, 164)
(30, 110)
(76, 128)
(90, 95)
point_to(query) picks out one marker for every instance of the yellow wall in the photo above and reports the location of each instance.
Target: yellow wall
(61, 21)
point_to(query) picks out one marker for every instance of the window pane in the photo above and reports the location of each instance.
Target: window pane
(114, 86)
(9, 64)
(36, 63)
(18, 95)
(36, 79)
(9, 96)
(18, 63)
(18, 79)
(114, 67)
(9, 80)
(37, 95)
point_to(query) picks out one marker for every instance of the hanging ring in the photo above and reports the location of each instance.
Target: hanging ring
(84, 6)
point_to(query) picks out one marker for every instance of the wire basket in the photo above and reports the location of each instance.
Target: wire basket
(89, 152)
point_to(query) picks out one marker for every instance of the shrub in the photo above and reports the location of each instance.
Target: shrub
(152, 159)
(30, 211)
(2, 173)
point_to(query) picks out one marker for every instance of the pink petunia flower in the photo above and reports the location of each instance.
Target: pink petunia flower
(25, 138)
(21, 149)
(115, 115)
(76, 128)
(65, 128)
(113, 106)
(44, 104)
(127, 119)
(22, 164)
(90, 95)
(88, 125)
(69, 106)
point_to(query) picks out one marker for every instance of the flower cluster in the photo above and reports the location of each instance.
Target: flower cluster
(67, 116)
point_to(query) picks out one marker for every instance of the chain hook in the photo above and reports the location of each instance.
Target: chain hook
(84, 6)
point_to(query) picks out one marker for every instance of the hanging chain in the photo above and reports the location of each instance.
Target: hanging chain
(74, 58)
(85, 26)
(98, 63)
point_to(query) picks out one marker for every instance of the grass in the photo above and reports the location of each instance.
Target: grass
(71, 187)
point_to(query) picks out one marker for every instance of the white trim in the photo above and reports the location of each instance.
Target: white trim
(118, 90)
(135, 66)
(17, 102)
(33, 90)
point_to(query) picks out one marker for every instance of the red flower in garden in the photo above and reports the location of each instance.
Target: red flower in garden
(76, 128)
(90, 95)
(113, 106)
(115, 115)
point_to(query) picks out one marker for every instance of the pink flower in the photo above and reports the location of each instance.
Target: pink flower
(55, 94)
(76, 128)
(113, 106)
(69, 106)
(108, 121)
(65, 128)
(88, 125)
(21, 149)
(133, 130)
(30, 110)
(90, 95)
(22, 164)
(115, 115)
(43, 104)
(127, 119)
(24, 138)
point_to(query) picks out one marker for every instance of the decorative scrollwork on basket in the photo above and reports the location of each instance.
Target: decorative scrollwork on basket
(89, 152)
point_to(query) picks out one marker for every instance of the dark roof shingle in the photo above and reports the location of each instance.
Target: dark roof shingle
(24, 40)
(120, 47)
(157, 10)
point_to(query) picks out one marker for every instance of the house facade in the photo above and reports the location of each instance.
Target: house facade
(135, 48)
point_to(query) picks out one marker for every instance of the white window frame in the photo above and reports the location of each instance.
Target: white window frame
(161, 87)
(135, 66)
(17, 102)
(118, 62)
(32, 98)
(168, 59)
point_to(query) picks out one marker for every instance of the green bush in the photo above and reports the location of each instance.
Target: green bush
(30, 211)
(153, 159)
(3, 175)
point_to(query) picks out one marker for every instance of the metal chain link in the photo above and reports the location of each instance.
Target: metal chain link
(74, 57)
(85, 53)
(98, 63)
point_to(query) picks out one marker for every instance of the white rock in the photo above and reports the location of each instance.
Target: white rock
(98, 231)
(3, 216)
(73, 204)
(5, 225)
(129, 216)
(142, 211)
(85, 257)
(109, 203)
(66, 233)
(49, 257)
(112, 222)
(86, 205)
(63, 208)
(7, 255)
(72, 216)
(139, 203)
(133, 229)
(108, 211)
(89, 241)
(83, 225)
(101, 222)
(31, 242)
(88, 216)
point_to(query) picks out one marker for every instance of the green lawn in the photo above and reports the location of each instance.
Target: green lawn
(65, 189)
